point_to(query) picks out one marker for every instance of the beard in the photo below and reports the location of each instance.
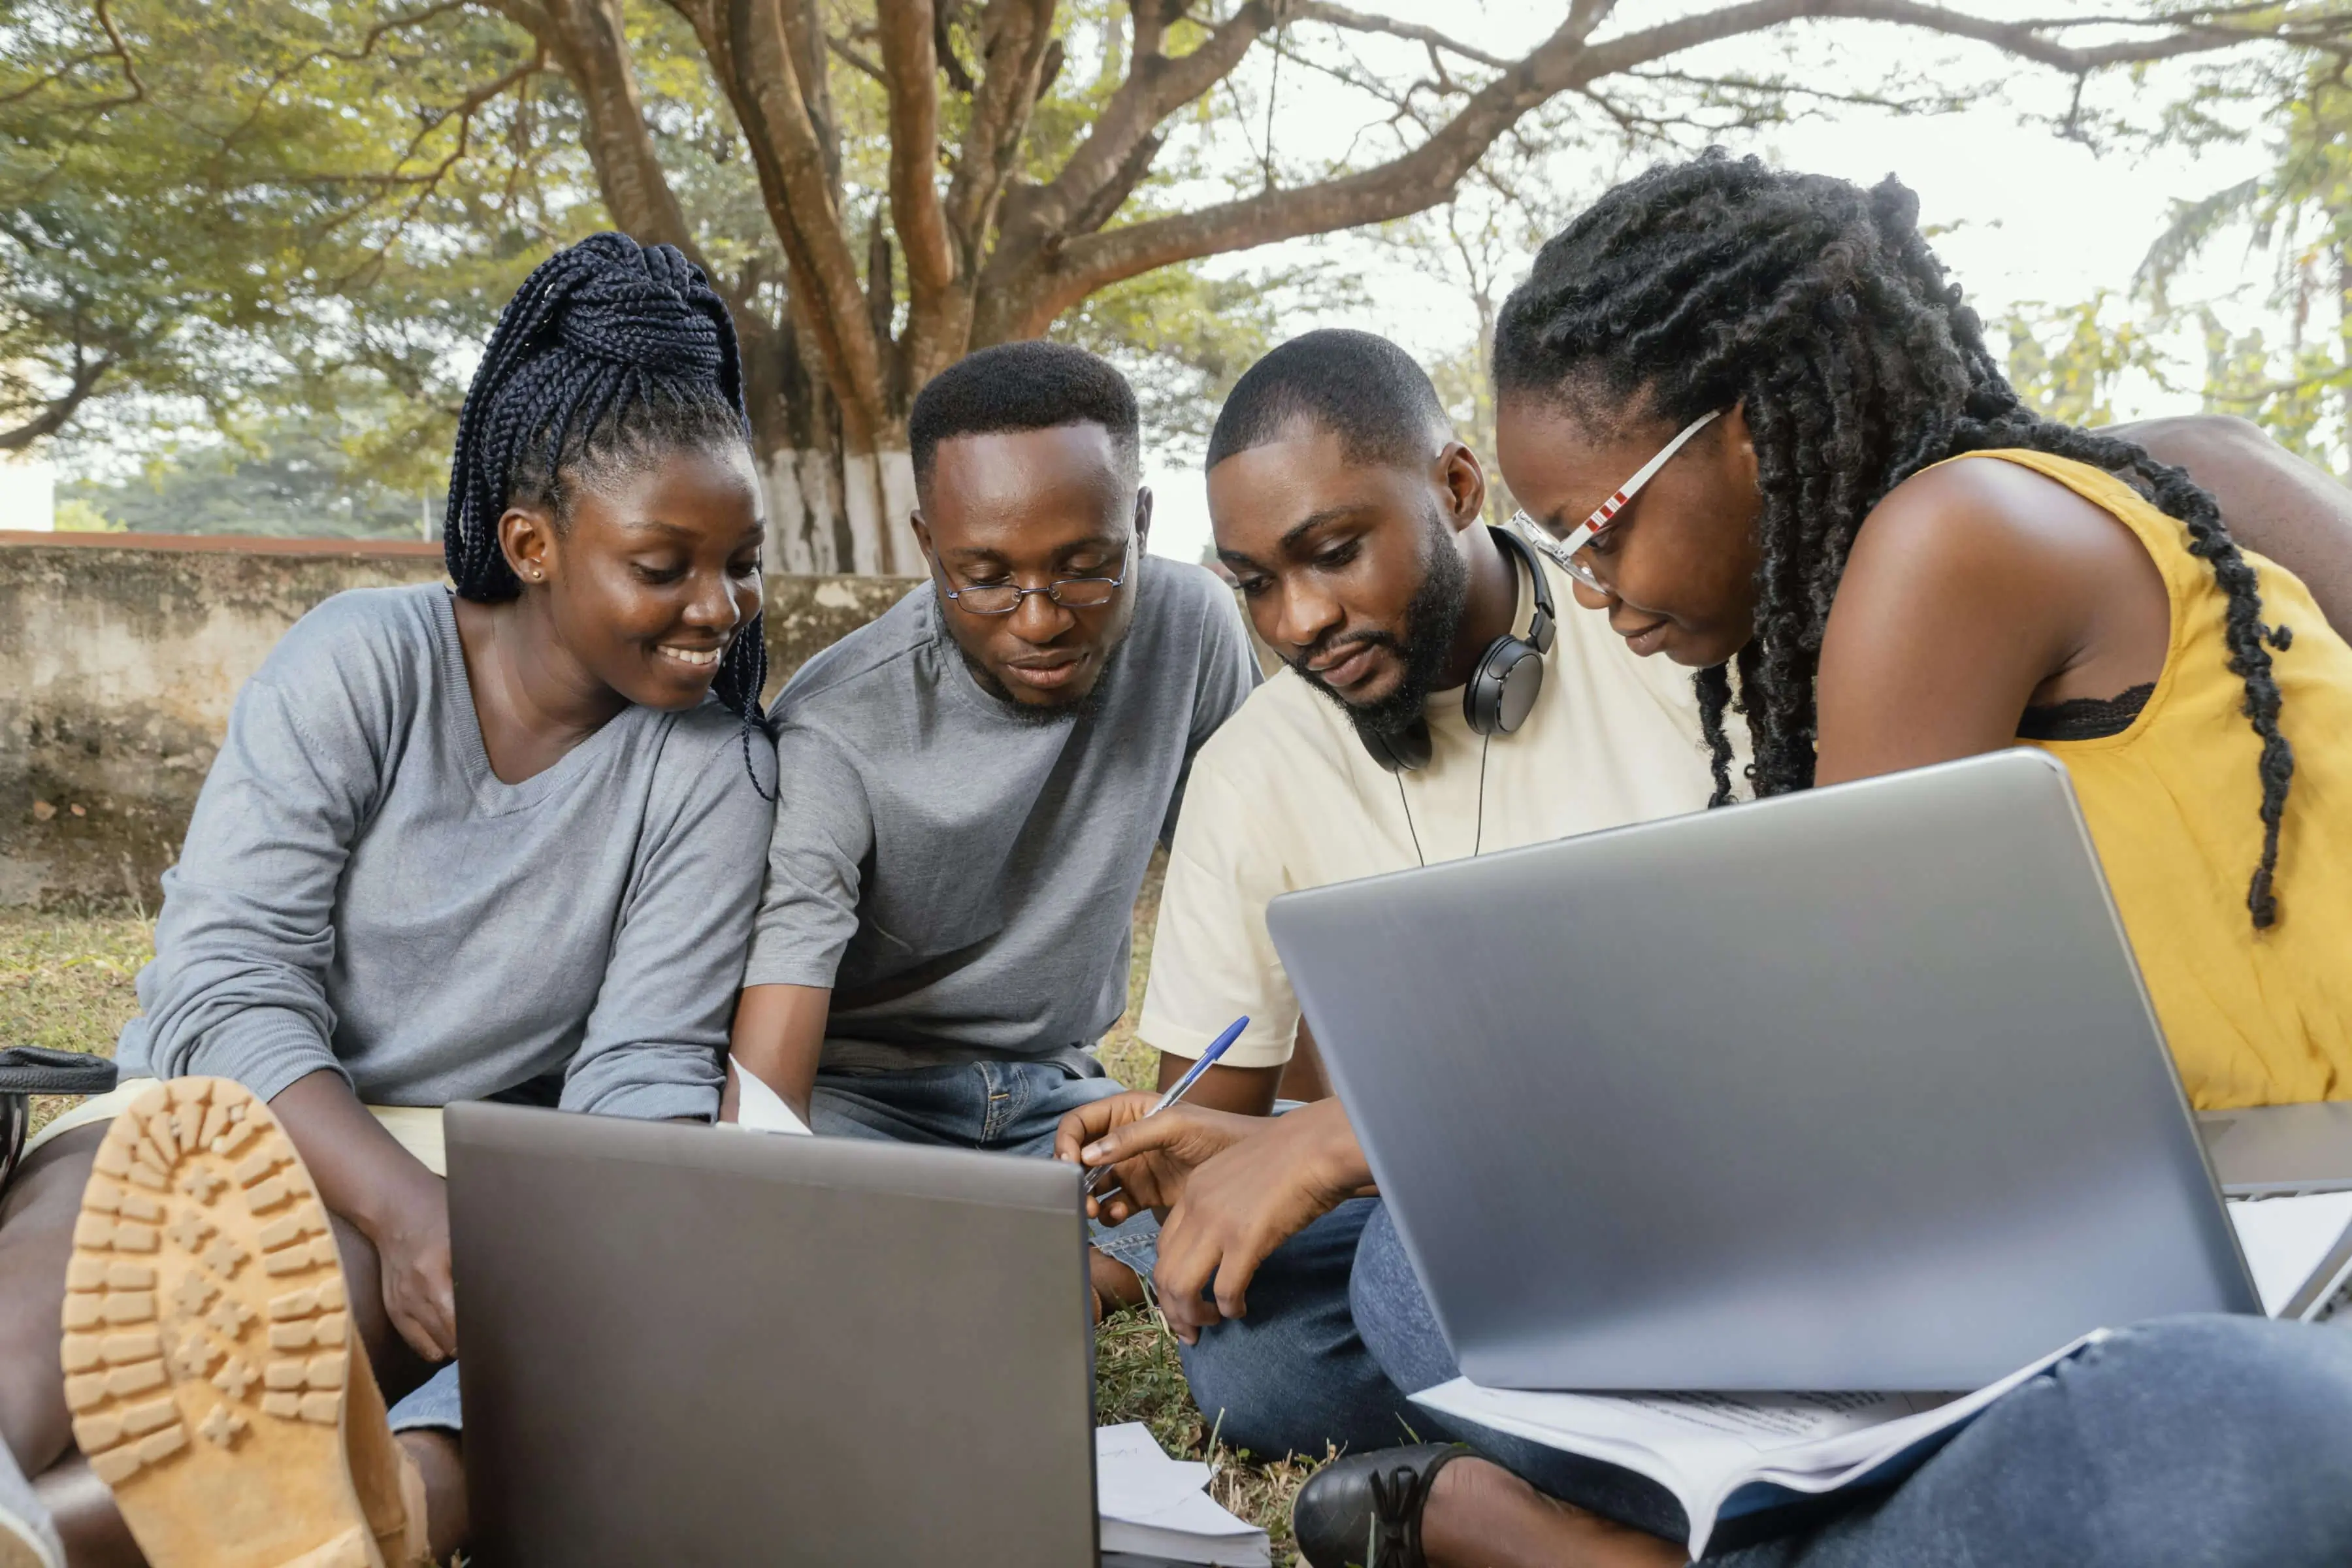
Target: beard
(1431, 620)
(1039, 715)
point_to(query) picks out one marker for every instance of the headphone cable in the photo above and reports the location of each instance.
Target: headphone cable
(1478, 839)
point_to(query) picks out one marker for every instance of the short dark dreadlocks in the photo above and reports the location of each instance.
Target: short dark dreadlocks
(1818, 307)
(610, 356)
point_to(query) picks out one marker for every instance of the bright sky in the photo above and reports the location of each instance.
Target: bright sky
(2029, 217)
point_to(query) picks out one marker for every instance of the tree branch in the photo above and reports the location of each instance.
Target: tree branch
(856, 59)
(122, 51)
(1423, 177)
(751, 47)
(53, 418)
(587, 40)
(1156, 86)
(1358, 22)
(390, 24)
(911, 70)
(1015, 37)
(1632, 50)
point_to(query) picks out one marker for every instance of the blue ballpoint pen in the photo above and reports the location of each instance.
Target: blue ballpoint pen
(1176, 1090)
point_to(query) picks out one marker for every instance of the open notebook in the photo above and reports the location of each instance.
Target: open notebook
(1724, 1456)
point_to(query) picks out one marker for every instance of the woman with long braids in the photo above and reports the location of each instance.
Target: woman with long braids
(1812, 543)
(1757, 425)
(500, 843)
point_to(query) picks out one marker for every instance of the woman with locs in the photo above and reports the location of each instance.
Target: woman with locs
(1760, 427)
(500, 843)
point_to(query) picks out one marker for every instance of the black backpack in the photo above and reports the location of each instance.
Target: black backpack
(28, 1070)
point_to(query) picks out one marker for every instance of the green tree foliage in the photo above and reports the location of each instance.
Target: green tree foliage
(2066, 361)
(211, 214)
(291, 220)
(2294, 221)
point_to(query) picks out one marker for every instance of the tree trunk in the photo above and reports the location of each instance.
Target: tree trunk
(879, 493)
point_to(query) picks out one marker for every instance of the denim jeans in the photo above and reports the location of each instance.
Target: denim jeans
(433, 1403)
(1008, 1106)
(2206, 1440)
(1293, 1376)
(1011, 1107)
(24, 1522)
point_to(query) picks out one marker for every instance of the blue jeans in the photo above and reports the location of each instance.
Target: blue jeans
(2190, 1441)
(433, 1403)
(1011, 1107)
(1293, 1376)
(1006, 1107)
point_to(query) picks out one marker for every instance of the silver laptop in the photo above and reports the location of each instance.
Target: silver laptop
(1856, 1088)
(687, 1346)
(2275, 1150)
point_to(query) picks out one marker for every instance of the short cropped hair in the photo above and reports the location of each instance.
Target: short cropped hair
(1026, 386)
(1359, 387)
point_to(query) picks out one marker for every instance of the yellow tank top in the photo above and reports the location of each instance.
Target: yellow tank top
(2254, 1017)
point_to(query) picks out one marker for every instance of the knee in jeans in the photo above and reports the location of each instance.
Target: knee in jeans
(2262, 1409)
(1240, 1391)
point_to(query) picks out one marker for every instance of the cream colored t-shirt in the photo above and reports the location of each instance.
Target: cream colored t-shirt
(1284, 796)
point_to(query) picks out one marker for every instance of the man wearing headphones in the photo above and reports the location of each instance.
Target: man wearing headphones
(1353, 521)
(1438, 702)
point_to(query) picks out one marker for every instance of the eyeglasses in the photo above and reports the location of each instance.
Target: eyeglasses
(1070, 593)
(1564, 551)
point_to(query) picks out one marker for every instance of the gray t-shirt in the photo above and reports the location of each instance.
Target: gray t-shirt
(964, 876)
(360, 892)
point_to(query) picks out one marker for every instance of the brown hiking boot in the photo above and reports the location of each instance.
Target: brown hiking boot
(214, 1381)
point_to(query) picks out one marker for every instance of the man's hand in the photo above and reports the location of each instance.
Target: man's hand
(1241, 1203)
(1150, 1157)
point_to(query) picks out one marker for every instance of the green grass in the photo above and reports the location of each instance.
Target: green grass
(66, 982)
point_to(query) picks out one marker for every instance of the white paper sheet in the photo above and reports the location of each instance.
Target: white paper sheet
(758, 1108)
(1155, 1506)
(2284, 1239)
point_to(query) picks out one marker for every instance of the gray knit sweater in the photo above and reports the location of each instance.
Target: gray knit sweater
(359, 892)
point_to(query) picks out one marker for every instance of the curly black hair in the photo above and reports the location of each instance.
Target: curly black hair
(611, 355)
(1819, 308)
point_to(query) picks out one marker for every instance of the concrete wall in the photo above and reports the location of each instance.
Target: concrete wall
(120, 654)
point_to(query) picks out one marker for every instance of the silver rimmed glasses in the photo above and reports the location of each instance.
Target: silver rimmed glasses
(1070, 593)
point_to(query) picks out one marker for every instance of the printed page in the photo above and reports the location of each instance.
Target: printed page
(2285, 1239)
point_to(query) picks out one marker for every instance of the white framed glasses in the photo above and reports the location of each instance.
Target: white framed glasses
(1564, 551)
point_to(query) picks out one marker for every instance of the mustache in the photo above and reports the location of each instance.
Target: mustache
(1331, 643)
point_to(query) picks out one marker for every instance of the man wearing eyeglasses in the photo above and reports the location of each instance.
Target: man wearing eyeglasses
(971, 786)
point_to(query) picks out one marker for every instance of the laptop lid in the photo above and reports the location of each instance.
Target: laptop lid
(686, 1346)
(1856, 1088)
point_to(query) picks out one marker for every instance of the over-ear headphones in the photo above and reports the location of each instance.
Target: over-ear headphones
(1503, 685)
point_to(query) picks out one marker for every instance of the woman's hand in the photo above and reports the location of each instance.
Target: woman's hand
(411, 1232)
(364, 1175)
(1150, 1157)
